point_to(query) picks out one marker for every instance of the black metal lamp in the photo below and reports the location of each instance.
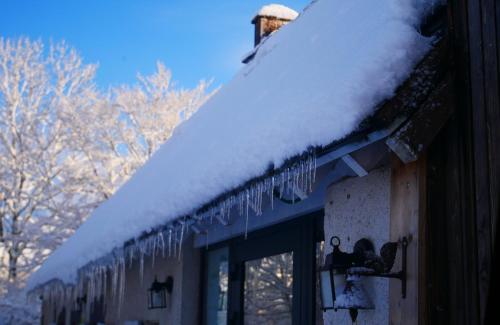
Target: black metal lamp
(332, 273)
(347, 268)
(80, 302)
(157, 293)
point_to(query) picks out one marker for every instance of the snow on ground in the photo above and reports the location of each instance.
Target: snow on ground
(278, 11)
(311, 83)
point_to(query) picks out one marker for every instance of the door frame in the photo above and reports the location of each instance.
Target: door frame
(299, 235)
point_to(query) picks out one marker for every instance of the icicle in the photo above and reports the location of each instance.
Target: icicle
(131, 255)
(263, 187)
(314, 169)
(256, 198)
(296, 185)
(141, 262)
(114, 280)
(182, 234)
(309, 178)
(240, 203)
(175, 244)
(162, 243)
(311, 170)
(169, 242)
(95, 275)
(90, 286)
(284, 185)
(87, 307)
(121, 291)
(311, 181)
(154, 252)
(259, 199)
(97, 280)
(246, 221)
(301, 180)
(271, 193)
(105, 280)
(80, 286)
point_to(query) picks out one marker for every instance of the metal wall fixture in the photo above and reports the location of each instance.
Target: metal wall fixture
(157, 293)
(340, 276)
(80, 302)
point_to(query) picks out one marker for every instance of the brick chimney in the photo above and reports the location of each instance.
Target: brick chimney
(270, 18)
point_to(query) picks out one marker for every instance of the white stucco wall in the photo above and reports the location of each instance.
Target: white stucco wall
(182, 303)
(356, 208)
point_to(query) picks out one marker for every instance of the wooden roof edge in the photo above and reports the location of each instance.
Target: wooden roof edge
(409, 97)
(415, 136)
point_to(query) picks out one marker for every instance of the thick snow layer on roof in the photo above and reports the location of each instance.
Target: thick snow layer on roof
(278, 11)
(309, 84)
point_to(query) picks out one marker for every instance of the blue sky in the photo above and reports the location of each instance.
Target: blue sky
(196, 39)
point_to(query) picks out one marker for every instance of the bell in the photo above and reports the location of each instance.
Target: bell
(353, 297)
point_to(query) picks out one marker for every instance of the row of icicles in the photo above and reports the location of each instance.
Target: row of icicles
(105, 278)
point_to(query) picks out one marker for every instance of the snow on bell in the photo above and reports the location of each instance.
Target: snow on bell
(353, 297)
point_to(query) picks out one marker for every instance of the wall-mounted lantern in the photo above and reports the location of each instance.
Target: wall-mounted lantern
(332, 274)
(341, 286)
(157, 293)
(80, 302)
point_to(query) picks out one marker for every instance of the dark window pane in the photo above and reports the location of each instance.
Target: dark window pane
(268, 290)
(216, 294)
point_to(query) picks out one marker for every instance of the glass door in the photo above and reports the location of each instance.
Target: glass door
(266, 279)
(271, 276)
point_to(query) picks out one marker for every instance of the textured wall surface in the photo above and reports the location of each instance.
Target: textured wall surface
(357, 208)
(180, 304)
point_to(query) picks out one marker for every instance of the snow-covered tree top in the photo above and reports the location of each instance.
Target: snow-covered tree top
(278, 11)
(308, 85)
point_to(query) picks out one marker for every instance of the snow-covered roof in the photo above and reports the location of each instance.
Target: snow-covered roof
(277, 11)
(309, 84)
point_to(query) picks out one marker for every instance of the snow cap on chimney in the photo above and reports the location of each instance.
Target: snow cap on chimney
(270, 18)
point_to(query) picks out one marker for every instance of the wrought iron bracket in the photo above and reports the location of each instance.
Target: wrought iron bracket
(401, 275)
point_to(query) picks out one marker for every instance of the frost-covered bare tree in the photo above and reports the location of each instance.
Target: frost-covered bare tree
(65, 146)
(268, 290)
(42, 186)
(133, 122)
(40, 179)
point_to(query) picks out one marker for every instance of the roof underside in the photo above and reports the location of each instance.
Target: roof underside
(309, 85)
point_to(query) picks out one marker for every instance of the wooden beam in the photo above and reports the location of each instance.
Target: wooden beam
(474, 26)
(415, 136)
(407, 210)
(195, 228)
(354, 165)
(221, 220)
(301, 194)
